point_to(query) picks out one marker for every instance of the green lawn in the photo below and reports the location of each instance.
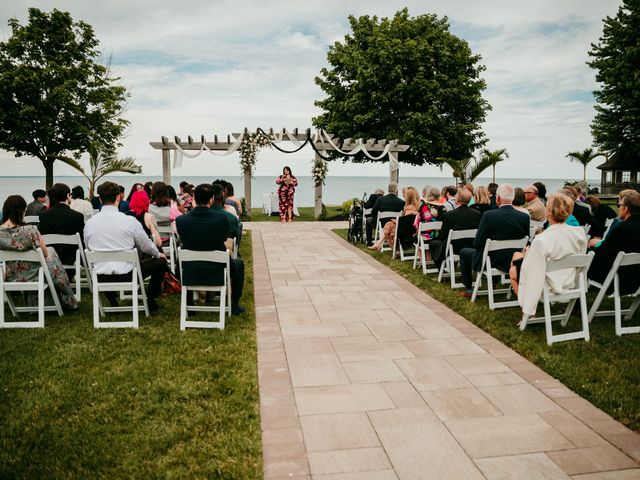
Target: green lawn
(306, 215)
(604, 370)
(153, 403)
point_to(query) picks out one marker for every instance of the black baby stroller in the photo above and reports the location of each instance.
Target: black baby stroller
(356, 219)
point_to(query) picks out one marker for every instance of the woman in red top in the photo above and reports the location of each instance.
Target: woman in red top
(286, 190)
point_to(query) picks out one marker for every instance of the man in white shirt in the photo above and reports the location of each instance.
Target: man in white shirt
(111, 230)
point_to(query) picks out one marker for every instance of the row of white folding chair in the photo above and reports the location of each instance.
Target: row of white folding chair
(422, 246)
(82, 277)
(40, 286)
(171, 250)
(31, 219)
(378, 232)
(581, 263)
(448, 266)
(488, 271)
(223, 290)
(622, 260)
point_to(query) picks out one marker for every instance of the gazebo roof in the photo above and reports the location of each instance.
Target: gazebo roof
(623, 159)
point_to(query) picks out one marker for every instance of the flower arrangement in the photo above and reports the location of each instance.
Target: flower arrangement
(251, 143)
(319, 172)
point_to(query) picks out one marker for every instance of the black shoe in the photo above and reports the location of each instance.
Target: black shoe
(154, 306)
(71, 308)
(237, 309)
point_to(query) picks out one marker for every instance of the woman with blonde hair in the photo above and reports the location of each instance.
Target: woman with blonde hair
(556, 242)
(411, 206)
(482, 200)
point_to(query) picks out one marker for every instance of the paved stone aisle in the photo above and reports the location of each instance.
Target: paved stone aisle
(363, 375)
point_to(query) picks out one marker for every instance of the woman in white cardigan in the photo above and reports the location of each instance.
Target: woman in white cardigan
(557, 241)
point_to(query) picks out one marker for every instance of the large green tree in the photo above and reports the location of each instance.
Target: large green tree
(56, 98)
(616, 57)
(408, 78)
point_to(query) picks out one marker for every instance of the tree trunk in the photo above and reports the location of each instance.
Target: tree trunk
(585, 174)
(494, 173)
(48, 168)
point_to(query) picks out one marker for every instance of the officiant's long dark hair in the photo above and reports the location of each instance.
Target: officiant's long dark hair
(287, 168)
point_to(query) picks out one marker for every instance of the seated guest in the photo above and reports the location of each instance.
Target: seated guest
(206, 229)
(234, 222)
(502, 223)
(492, 187)
(231, 198)
(369, 220)
(600, 211)
(134, 188)
(518, 200)
(596, 241)
(450, 198)
(15, 235)
(96, 204)
(534, 204)
(556, 242)
(387, 203)
(109, 231)
(581, 213)
(176, 209)
(412, 204)
(542, 191)
(481, 202)
(148, 187)
(186, 199)
(79, 204)
(123, 206)
(462, 218)
(427, 211)
(471, 188)
(624, 238)
(39, 203)
(139, 209)
(62, 220)
(160, 203)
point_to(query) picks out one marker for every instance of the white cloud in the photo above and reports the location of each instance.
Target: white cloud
(200, 67)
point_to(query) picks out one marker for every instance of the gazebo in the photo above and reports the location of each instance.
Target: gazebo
(620, 171)
(320, 141)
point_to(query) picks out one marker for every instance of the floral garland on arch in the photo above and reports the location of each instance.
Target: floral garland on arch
(319, 171)
(251, 143)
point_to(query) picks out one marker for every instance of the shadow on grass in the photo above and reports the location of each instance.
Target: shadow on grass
(150, 403)
(604, 370)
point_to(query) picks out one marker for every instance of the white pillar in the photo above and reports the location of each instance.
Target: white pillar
(317, 208)
(247, 191)
(166, 166)
(394, 167)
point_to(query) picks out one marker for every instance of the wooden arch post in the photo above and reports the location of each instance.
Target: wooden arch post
(317, 207)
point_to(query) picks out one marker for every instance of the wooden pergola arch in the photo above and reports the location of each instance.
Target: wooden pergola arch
(323, 143)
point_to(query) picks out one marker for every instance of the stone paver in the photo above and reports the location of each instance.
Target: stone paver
(364, 376)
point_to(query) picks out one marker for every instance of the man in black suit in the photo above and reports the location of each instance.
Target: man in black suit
(387, 203)
(61, 219)
(206, 229)
(502, 223)
(461, 218)
(369, 220)
(624, 238)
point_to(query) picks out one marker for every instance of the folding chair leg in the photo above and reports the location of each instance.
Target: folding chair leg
(568, 310)
(596, 304)
(183, 307)
(223, 299)
(547, 319)
(633, 308)
(96, 303)
(583, 315)
(134, 300)
(476, 289)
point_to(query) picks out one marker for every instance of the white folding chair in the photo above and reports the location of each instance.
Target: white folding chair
(448, 266)
(537, 224)
(423, 247)
(586, 228)
(135, 286)
(607, 226)
(378, 232)
(532, 232)
(397, 245)
(82, 277)
(622, 260)
(365, 212)
(43, 283)
(224, 290)
(170, 250)
(579, 262)
(489, 272)
(31, 219)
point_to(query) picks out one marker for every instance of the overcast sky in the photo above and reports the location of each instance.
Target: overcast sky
(198, 67)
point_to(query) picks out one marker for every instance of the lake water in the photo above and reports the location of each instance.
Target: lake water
(336, 190)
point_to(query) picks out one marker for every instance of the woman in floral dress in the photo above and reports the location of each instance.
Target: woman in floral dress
(15, 235)
(288, 184)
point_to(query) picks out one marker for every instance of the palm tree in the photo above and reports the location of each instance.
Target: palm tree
(466, 170)
(493, 157)
(584, 157)
(104, 162)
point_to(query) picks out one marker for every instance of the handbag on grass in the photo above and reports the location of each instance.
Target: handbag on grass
(170, 284)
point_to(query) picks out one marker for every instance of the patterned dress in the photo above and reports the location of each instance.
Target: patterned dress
(24, 238)
(285, 194)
